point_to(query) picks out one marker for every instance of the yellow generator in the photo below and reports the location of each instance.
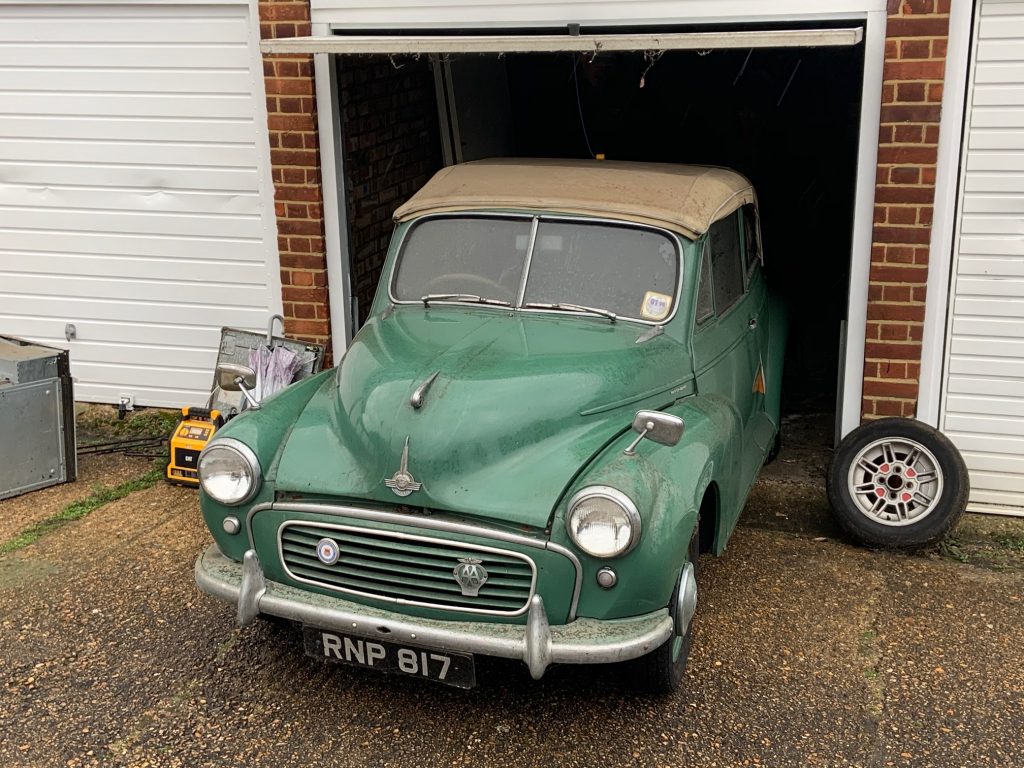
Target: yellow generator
(193, 432)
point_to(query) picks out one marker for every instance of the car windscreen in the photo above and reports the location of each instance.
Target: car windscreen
(630, 271)
(463, 255)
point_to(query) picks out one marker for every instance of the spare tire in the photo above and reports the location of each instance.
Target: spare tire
(897, 484)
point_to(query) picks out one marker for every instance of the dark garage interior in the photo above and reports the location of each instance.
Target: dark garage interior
(787, 118)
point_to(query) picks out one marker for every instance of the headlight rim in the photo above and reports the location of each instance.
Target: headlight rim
(248, 456)
(618, 497)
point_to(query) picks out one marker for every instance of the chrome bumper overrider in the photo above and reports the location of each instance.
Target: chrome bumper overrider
(583, 641)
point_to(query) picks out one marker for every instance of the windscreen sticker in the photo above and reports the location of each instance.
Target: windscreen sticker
(656, 306)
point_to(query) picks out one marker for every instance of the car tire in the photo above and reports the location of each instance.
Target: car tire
(662, 670)
(897, 484)
(773, 452)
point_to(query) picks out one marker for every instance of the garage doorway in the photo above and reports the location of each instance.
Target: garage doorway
(788, 118)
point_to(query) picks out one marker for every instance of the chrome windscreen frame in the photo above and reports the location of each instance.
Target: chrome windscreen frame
(401, 535)
(435, 523)
(535, 219)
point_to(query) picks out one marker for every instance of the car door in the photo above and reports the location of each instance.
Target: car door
(761, 430)
(724, 346)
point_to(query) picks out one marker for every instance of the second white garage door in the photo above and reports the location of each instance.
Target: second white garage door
(983, 408)
(134, 190)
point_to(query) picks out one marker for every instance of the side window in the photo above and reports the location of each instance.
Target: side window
(751, 241)
(705, 301)
(726, 267)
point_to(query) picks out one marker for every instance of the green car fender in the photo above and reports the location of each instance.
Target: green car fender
(667, 484)
(265, 431)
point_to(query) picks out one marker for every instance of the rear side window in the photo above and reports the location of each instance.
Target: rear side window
(726, 267)
(705, 299)
(751, 241)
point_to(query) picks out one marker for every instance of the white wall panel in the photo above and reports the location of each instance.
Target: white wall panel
(134, 176)
(983, 401)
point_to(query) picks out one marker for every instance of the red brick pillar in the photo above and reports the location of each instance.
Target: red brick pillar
(915, 54)
(295, 166)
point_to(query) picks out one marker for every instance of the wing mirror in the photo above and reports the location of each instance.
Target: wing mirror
(234, 378)
(660, 427)
(231, 377)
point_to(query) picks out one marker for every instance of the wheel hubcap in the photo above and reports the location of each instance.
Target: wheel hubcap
(895, 481)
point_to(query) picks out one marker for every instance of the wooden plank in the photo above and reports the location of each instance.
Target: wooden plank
(992, 224)
(91, 265)
(159, 397)
(986, 366)
(992, 138)
(51, 28)
(998, 482)
(996, 286)
(988, 326)
(987, 405)
(107, 331)
(1004, 266)
(234, 131)
(120, 79)
(100, 198)
(988, 425)
(151, 176)
(993, 203)
(995, 160)
(997, 117)
(128, 104)
(132, 245)
(995, 462)
(149, 291)
(142, 223)
(203, 154)
(124, 55)
(74, 310)
(991, 245)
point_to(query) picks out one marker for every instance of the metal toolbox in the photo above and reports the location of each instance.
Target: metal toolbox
(37, 417)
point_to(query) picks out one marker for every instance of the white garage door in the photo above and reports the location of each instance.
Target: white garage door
(134, 190)
(983, 411)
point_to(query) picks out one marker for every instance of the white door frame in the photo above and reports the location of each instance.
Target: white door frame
(871, 12)
(947, 184)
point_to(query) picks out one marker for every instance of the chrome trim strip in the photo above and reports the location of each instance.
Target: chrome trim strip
(583, 641)
(675, 237)
(529, 260)
(433, 523)
(408, 537)
(617, 496)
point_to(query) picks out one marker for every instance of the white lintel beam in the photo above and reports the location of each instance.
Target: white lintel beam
(682, 41)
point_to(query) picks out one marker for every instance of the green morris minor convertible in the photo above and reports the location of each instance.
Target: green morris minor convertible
(568, 381)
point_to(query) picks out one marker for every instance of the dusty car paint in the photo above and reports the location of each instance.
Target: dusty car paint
(527, 408)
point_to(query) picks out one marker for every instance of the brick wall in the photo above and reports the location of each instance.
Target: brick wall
(915, 53)
(392, 147)
(295, 161)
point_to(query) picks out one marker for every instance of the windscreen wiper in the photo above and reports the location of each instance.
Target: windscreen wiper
(563, 307)
(466, 297)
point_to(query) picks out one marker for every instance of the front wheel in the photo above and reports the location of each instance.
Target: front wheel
(662, 670)
(897, 484)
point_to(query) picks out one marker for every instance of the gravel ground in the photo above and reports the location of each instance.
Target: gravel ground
(20, 512)
(808, 651)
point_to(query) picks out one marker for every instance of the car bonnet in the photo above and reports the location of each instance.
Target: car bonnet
(519, 405)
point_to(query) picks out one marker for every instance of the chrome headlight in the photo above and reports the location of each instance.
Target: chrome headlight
(229, 471)
(603, 521)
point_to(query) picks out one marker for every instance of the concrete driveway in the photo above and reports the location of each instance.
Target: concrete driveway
(808, 651)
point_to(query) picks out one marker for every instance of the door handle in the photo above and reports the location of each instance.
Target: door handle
(752, 323)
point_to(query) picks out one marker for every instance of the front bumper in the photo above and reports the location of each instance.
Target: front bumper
(583, 641)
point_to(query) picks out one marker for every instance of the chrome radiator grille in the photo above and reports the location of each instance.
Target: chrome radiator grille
(406, 568)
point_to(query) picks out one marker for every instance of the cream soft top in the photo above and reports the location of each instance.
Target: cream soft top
(684, 198)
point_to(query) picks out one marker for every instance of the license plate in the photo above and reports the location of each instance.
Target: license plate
(442, 666)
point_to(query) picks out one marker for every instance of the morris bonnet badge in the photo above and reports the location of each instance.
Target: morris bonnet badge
(402, 482)
(470, 575)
